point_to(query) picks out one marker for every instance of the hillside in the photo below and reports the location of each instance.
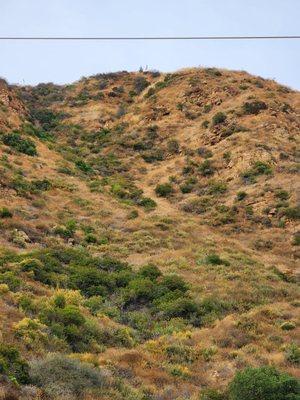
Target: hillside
(150, 228)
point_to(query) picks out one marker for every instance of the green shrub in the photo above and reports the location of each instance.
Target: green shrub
(26, 304)
(227, 156)
(241, 195)
(68, 324)
(164, 189)
(254, 107)
(142, 145)
(181, 308)
(91, 238)
(152, 132)
(41, 185)
(12, 365)
(5, 213)
(68, 315)
(91, 282)
(213, 72)
(31, 331)
(208, 353)
(282, 194)
(215, 259)
(231, 129)
(150, 271)
(94, 304)
(218, 118)
(133, 214)
(265, 383)
(180, 353)
(186, 188)
(47, 119)
(35, 266)
(207, 168)
(59, 301)
(224, 215)
(139, 290)
(217, 187)
(161, 85)
(197, 206)
(147, 202)
(140, 83)
(258, 168)
(261, 168)
(212, 306)
(292, 354)
(174, 282)
(288, 326)
(66, 231)
(17, 142)
(211, 394)
(11, 280)
(173, 146)
(292, 213)
(154, 155)
(296, 239)
(84, 167)
(32, 130)
(63, 377)
(44, 267)
(107, 286)
(207, 108)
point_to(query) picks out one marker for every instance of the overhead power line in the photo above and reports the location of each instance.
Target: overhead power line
(119, 38)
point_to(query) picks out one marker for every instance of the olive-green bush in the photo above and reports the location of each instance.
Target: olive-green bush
(265, 383)
(19, 143)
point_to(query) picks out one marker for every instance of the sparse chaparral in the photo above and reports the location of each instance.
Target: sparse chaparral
(149, 238)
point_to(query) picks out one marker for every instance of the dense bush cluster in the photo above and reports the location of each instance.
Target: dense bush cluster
(206, 168)
(47, 119)
(25, 187)
(164, 189)
(153, 155)
(128, 192)
(63, 377)
(140, 84)
(258, 168)
(148, 146)
(254, 107)
(218, 118)
(197, 205)
(44, 94)
(16, 141)
(142, 300)
(35, 131)
(12, 364)
(264, 383)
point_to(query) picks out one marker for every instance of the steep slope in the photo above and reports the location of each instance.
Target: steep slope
(194, 172)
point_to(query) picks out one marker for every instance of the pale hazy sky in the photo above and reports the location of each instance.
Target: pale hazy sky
(64, 62)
